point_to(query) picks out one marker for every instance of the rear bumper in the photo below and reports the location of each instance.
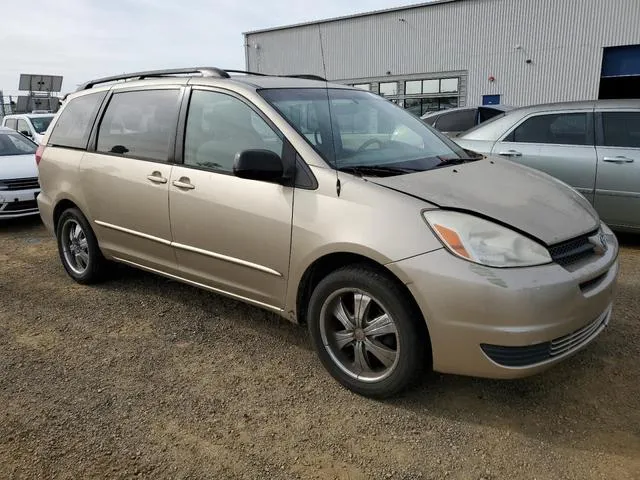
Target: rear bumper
(509, 323)
(45, 206)
(18, 203)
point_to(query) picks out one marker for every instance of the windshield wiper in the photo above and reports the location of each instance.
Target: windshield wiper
(379, 170)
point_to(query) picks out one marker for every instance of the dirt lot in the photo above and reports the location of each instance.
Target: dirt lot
(144, 377)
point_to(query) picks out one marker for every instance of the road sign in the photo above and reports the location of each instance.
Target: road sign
(40, 83)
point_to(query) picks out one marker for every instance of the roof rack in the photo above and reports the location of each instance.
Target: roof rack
(204, 71)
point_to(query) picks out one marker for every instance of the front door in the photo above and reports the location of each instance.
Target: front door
(560, 144)
(618, 183)
(231, 234)
(126, 180)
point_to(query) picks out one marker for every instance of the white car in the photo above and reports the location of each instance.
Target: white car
(19, 185)
(31, 125)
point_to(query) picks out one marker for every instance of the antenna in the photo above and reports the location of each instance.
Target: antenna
(326, 86)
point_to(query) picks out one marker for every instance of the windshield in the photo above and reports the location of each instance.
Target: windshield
(365, 130)
(40, 124)
(15, 144)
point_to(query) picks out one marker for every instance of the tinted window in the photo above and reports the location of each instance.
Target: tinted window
(559, 129)
(488, 113)
(74, 125)
(219, 126)
(23, 127)
(12, 123)
(457, 121)
(140, 124)
(431, 120)
(14, 144)
(621, 129)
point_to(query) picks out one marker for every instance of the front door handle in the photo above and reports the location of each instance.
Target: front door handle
(156, 177)
(184, 183)
(510, 153)
(619, 159)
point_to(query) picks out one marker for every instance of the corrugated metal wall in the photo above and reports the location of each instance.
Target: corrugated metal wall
(563, 38)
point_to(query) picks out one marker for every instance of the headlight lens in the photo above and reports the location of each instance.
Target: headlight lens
(484, 242)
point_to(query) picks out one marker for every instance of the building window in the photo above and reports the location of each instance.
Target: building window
(388, 88)
(363, 86)
(449, 85)
(412, 87)
(431, 86)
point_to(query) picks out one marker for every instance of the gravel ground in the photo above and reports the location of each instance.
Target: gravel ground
(144, 377)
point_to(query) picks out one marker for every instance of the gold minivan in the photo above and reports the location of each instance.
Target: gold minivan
(336, 209)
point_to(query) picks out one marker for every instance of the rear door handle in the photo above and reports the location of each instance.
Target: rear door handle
(156, 177)
(183, 183)
(510, 153)
(619, 159)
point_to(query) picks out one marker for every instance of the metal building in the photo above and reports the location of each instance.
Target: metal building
(450, 53)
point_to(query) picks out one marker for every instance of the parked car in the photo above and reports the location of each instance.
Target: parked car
(289, 194)
(31, 125)
(593, 146)
(18, 175)
(454, 121)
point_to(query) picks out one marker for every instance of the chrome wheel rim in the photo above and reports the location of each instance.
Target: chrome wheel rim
(360, 335)
(75, 246)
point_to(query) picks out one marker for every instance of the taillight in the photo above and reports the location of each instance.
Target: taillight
(39, 152)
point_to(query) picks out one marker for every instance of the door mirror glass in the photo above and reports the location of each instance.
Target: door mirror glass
(258, 164)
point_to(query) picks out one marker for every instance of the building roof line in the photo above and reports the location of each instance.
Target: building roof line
(346, 17)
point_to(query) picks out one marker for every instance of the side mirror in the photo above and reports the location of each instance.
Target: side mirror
(26, 133)
(257, 164)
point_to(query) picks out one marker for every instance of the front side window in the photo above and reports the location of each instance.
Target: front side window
(556, 128)
(14, 144)
(621, 129)
(76, 120)
(219, 126)
(23, 127)
(350, 128)
(140, 124)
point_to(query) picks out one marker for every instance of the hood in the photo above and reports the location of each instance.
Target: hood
(18, 166)
(521, 197)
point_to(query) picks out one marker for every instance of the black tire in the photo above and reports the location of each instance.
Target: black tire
(413, 352)
(97, 265)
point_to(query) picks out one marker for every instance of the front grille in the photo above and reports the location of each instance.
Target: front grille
(572, 251)
(539, 352)
(14, 207)
(20, 184)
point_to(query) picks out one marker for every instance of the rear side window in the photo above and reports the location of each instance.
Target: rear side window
(557, 129)
(73, 128)
(11, 123)
(140, 124)
(456, 121)
(621, 129)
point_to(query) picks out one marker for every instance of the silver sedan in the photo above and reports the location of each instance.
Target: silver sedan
(594, 146)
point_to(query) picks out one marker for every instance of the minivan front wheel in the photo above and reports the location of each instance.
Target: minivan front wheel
(366, 332)
(78, 247)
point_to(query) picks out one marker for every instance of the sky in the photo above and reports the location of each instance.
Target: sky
(85, 39)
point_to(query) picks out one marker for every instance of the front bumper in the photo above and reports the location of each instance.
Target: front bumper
(18, 203)
(513, 322)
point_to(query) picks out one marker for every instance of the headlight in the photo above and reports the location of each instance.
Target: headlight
(484, 242)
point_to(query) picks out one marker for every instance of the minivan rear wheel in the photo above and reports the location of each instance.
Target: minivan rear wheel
(78, 248)
(366, 331)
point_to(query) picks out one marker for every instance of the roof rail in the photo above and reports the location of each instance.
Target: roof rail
(245, 72)
(204, 71)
